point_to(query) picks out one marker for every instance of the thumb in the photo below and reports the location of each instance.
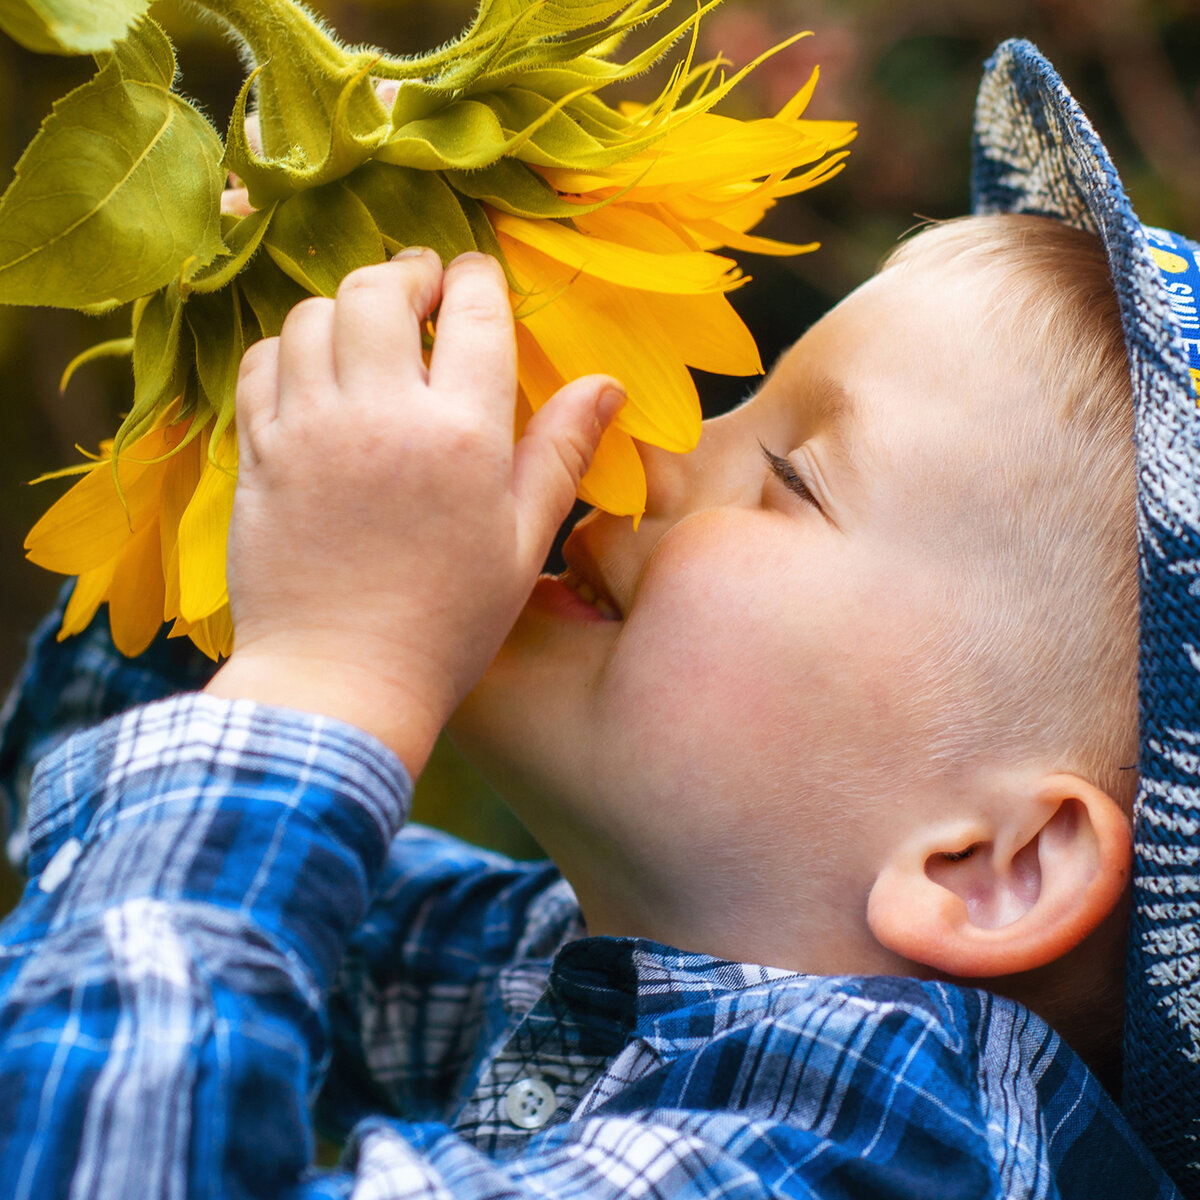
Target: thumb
(556, 450)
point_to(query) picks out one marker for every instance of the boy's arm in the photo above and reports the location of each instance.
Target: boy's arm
(165, 976)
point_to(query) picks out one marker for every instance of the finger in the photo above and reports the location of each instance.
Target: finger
(378, 318)
(555, 452)
(235, 202)
(257, 396)
(306, 372)
(254, 133)
(475, 353)
(387, 90)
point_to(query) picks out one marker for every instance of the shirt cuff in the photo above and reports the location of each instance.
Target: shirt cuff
(279, 814)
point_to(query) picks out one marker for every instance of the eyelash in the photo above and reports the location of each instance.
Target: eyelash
(954, 856)
(783, 470)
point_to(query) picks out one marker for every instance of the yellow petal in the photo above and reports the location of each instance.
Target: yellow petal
(179, 484)
(89, 525)
(591, 326)
(203, 534)
(708, 150)
(90, 591)
(793, 109)
(535, 372)
(675, 273)
(646, 227)
(719, 234)
(707, 333)
(135, 596)
(214, 634)
(616, 480)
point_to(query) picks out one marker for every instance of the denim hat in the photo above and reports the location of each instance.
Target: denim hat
(1034, 151)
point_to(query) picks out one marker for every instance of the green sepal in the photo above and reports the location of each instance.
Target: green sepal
(216, 325)
(554, 67)
(69, 26)
(485, 236)
(413, 208)
(551, 131)
(319, 236)
(547, 18)
(120, 187)
(156, 324)
(113, 348)
(463, 54)
(268, 180)
(100, 308)
(270, 294)
(466, 135)
(243, 239)
(512, 187)
(461, 76)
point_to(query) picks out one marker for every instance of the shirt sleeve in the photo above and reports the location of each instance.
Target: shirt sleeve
(197, 867)
(73, 684)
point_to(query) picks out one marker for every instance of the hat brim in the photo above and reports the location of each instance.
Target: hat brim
(1035, 152)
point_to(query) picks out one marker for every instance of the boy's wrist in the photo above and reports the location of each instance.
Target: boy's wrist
(393, 711)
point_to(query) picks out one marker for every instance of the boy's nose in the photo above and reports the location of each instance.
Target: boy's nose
(666, 479)
(677, 484)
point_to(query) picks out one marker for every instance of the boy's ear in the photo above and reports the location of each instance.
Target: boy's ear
(1006, 891)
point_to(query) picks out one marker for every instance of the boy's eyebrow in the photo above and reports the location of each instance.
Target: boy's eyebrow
(834, 413)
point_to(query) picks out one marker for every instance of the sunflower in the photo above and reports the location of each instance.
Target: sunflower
(608, 220)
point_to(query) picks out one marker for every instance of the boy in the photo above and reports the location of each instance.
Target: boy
(853, 705)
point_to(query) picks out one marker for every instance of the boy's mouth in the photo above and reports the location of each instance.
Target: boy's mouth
(588, 592)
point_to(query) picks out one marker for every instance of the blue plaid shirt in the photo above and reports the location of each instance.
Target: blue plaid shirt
(227, 934)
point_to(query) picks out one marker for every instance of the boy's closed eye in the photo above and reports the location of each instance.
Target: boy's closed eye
(787, 474)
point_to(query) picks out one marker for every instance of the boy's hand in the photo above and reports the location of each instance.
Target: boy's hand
(386, 531)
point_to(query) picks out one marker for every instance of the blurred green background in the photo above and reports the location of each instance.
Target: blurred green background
(906, 71)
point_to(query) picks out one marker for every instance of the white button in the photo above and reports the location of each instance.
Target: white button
(55, 872)
(530, 1103)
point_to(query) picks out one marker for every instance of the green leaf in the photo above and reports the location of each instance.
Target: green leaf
(120, 188)
(146, 56)
(319, 236)
(413, 208)
(68, 26)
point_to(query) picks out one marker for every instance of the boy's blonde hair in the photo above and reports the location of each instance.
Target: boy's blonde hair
(1043, 660)
(1046, 655)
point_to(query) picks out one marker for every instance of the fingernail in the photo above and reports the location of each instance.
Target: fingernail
(412, 252)
(468, 256)
(611, 401)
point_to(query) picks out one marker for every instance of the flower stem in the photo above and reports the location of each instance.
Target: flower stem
(304, 70)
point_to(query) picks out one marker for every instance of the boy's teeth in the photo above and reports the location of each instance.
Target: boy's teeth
(588, 594)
